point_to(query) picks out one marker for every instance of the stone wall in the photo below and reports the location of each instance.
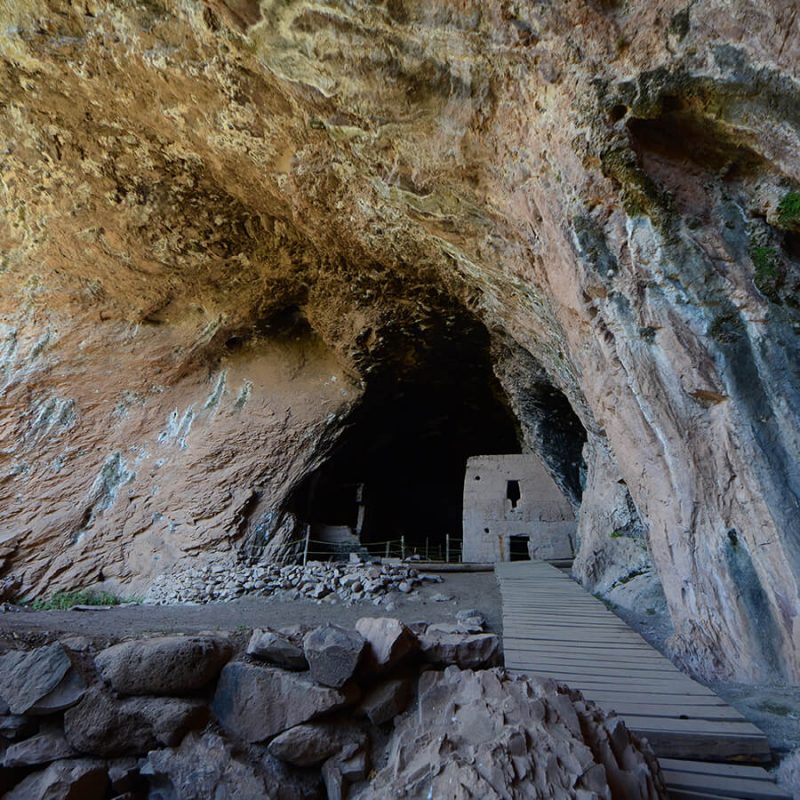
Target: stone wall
(537, 509)
(303, 714)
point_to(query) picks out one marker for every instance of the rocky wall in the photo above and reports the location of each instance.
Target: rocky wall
(328, 712)
(199, 194)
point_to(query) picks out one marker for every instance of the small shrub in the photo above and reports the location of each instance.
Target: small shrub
(789, 210)
(767, 265)
(60, 601)
(726, 327)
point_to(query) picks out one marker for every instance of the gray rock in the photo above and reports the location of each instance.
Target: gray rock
(333, 654)
(345, 768)
(103, 725)
(41, 749)
(14, 726)
(72, 779)
(276, 649)
(311, 744)
(124, 774)
(294, 633)
(255, 703)
(28, 677)
(389, 640)
(65, 695)
(170, 665)
(292, 783)
(203, 767)
(468, 651)
(441, 598)
(386, 701)
(498, 736)
(471, 615)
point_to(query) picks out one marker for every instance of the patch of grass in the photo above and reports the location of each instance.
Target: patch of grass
(767, 264)
(60, 601)
(789, 210)
(616, 535)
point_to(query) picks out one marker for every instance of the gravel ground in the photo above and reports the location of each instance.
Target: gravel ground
(469, 590)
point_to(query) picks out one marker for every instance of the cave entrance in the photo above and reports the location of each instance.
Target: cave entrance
(396, 476)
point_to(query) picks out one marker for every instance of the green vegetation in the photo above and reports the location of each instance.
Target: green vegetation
(616, 534)
(789, 210)
(726, 327)
(767, 264)
(60, 601)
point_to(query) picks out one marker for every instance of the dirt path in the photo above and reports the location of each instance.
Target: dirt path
(468, 590)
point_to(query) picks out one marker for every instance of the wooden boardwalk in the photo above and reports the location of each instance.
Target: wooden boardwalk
(554, 628)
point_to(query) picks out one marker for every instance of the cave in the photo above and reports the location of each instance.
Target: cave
(396, 473)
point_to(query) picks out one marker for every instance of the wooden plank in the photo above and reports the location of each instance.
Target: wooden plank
(594, 671)
(602, 697)
(586, 684)
(546, 646)
(717, 785)
(587, 637)
(710, 727)
(716, 768)
(557, 660)
(588, 651)
(687, 744)
(672, 710)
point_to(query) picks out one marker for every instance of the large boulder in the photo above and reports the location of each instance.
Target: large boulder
(42, 749)
(255, 703)
(40, 681)
(311, 744)
(389, 640)
(71, 779)
(170, 665)
(106, 726)
(276, 649)
(333, 654)
(386, 701)
(487, 735)
(465, 650)
(206, 766)
(203, 767)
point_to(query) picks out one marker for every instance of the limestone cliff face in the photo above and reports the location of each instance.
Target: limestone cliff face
(223, 219)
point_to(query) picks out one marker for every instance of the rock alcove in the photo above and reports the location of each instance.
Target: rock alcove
(402, 452)
(235, 230)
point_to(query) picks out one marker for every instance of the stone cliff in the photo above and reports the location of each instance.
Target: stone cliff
(229, 225)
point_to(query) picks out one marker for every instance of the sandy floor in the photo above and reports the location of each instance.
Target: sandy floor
(469, 590)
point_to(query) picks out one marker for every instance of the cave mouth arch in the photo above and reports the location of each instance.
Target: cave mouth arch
(397, 469)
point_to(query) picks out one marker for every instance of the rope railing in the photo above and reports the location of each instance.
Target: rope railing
(447, 552)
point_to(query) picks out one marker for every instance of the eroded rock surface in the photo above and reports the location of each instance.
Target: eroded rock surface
(169, 665)
(227, 223)
(486, 735)
(255, 703)
(103, 725)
